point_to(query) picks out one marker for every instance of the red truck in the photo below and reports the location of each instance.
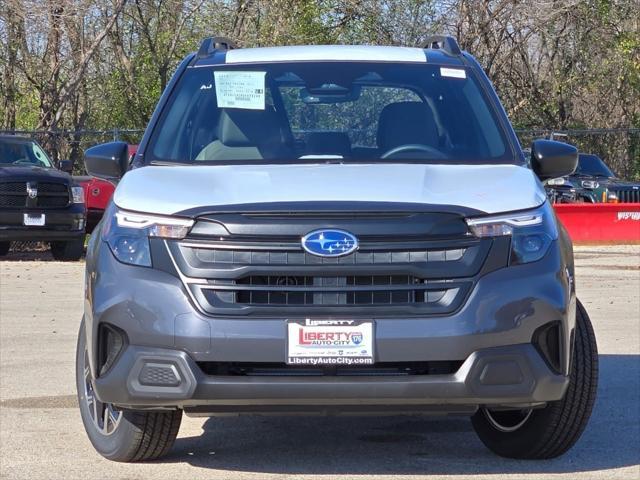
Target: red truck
(97, 194)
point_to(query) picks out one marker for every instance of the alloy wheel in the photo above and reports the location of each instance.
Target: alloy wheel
(105, 416)
(507, 420)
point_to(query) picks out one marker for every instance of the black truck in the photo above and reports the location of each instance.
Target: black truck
(39, 202)
(592, 182)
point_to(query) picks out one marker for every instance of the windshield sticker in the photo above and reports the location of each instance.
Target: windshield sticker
(240, 90)
(453, 73)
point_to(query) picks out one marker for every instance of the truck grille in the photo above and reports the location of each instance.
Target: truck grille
(628, 196)
(50, 195)
(390, 274)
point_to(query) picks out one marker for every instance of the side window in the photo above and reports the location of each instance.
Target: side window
(40, 155)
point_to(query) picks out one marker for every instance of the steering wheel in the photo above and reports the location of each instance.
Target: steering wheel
(414, 147)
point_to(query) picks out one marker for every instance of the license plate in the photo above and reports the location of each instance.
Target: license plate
(330, 342)
(34, 219)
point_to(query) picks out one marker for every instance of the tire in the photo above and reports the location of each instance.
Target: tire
(4, 248)
(130, 435)
(70, 251)
(550, 431)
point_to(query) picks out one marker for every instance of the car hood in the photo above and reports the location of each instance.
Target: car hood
(187, 189)
(617, 183)
(33, 174)
(611, 182)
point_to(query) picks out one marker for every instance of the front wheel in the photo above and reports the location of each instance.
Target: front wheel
(70, 251)
(121, 435)
(550, 431)
(4, 248)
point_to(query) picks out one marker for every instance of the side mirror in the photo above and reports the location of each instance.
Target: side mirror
(108, 161)
(65, 166)
(550, 159)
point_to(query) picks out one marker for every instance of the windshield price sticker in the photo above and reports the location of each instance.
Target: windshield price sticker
(452, 72)
(330, 342)
(244, 90)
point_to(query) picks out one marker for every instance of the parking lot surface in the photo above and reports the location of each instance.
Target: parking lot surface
(41, 434)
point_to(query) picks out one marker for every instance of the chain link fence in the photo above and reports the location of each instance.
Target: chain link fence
(618, 147)
(70, 145)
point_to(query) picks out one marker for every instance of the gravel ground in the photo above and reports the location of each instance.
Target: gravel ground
(41, 435)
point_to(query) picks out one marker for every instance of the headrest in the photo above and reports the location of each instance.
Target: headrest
(405, 123)
(329, 143)
(249, 128)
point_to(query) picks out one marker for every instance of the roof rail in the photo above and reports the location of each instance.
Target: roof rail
(211, 44)
(442, 42)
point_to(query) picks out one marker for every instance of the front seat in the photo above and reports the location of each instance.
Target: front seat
(406, 123)
(246, 135)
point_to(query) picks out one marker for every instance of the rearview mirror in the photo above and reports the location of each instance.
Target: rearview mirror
(65, 166)
(330, 93)
(550, 159)
(108, 161)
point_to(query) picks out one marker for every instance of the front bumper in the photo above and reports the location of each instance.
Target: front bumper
(60, 224)
(491, 335)
(513, 375)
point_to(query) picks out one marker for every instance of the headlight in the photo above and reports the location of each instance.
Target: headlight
(531, 232)
(78, 194)
(556, 181)
(128, 234)
(590, 184)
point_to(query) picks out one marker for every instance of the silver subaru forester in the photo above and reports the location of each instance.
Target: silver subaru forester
(332, 229)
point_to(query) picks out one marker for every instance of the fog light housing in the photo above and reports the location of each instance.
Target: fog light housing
(111, 342)
(548, 341)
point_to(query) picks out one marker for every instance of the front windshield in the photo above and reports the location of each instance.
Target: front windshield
(593, 166)
(348, 111)
(22, 154)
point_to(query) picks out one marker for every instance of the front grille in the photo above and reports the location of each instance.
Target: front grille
(284, 370)
(13, 194)
(52, 188)
(397, 276)
(50, 195)
(12, 201)
(277, 257)
(13, 188)
(628, 196)
(52, 202)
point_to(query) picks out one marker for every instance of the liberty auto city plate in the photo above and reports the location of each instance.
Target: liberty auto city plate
(330, 342)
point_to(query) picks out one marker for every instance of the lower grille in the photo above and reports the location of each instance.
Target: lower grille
(319, 293)
(279, 295)
(628, 196)
(284, 370)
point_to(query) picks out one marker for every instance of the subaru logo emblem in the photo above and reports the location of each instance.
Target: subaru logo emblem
(329, 243)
